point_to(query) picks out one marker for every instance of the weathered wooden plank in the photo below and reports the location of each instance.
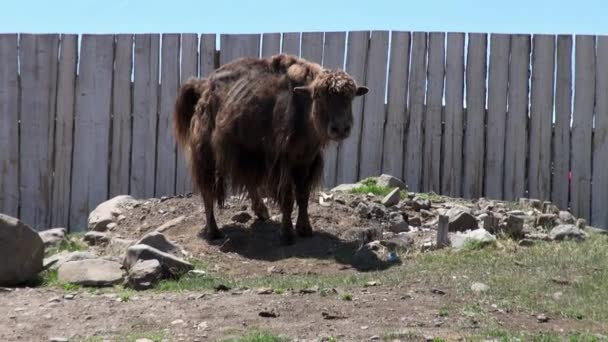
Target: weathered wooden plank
(563, 110)
(396, 116)
(38, 64)
(417, 90)
(271, 44)
(9, 125)
(582, 127)
(374, 110)
(165, 142)
(451, 179)
(207, 55)
(541, 116)
(312, 46)
(121, 115)
(91, 128)
(599, 214)
(291, 43)
(333, 58)
(66, 87)
(233, 46)
(498, 81)
(431, 180)
(348, 149)
(472, 183)
(189, 68)
(145, 111)
(517, 118)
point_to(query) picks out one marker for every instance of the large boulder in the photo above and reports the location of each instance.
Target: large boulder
(108, 211)
(460, 220)
(52, 237)
(392, 198)
(567, 232)
(479, 236)
(346, 187)
(160, 242)
(172, 266)
(56, 260)
(91, 272)
(21, 251)
(144, 274)
(390, 182)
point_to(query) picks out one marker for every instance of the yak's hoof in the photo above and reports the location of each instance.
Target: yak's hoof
(304, 230)
(211, 234)
(288, 238)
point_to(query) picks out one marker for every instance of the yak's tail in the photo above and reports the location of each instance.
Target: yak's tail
(185, 104)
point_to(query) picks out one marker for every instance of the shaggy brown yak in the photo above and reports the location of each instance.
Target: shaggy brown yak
(260, 125)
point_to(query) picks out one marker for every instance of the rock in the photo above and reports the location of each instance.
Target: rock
(536, 204)
(414, 221)
(58, 339)
(459, 240)
(362, 235)
(377, 211)
(514, 225)
(118, 247)
(363, 210)
(524, 202)
(241, 217)
(94, 238)
(172, 266)
(21, 251)
(346, 187)
(581, 223)
(538, 236)
(55, 261)
(489, 222)
(542, 318)
(567, 232)
(397, 223)
(479, 287)
(392, 198)
(371, 255)
(546, 221)
(401, 241)
(420, 204)
(171, 223)
(52, 237)
(566, 217)
(460, 220)
(143, 340)
(91, 272)
(159, 241)
(390, 182)
(144, 274)
(107, 212)
(551, 209)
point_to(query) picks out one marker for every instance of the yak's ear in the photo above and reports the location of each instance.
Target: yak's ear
(361, 91)
(302, 91)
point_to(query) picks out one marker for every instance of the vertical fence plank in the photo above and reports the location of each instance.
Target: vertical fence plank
(599, 214)
(66, 84)
(333, 58)
(584, 97)
(207, 55)
(165, 154)
(541, 116)
(517, 118)
(233, 46)
(348, 149)
(38, 59)
(145, 112)
(374, 109)
(121, 115)
(312, 46)
(451, 179)
(271, 44)
(431, 180)
(396, 117)
(92, 128)
(563, 109)
(189, 68)
(498, 81)
(291, 43)
(472, 184)
(413, 154)
(9, 125)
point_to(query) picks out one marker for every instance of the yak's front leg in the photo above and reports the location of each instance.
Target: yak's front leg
(287, 233)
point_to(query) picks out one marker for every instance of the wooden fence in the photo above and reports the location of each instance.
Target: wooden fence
(470, 115)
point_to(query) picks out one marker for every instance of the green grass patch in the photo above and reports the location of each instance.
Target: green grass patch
(509, 336)
(347, 297)
(258, 336)
(70, 244)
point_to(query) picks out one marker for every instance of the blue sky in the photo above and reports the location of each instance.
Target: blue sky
(232, 16)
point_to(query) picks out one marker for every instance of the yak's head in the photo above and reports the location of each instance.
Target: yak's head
(332, 93)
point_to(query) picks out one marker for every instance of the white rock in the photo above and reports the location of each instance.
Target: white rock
(52, 237)
(480, 235)
(108, 211)
(91, 272)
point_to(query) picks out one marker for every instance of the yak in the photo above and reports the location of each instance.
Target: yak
(260, 126)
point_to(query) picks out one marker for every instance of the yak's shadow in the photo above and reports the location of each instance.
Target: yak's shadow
(260, 241)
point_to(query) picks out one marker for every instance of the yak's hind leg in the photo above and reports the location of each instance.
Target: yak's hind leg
(203, 167)
(258, 206)
(287, 233)
(304, 180)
